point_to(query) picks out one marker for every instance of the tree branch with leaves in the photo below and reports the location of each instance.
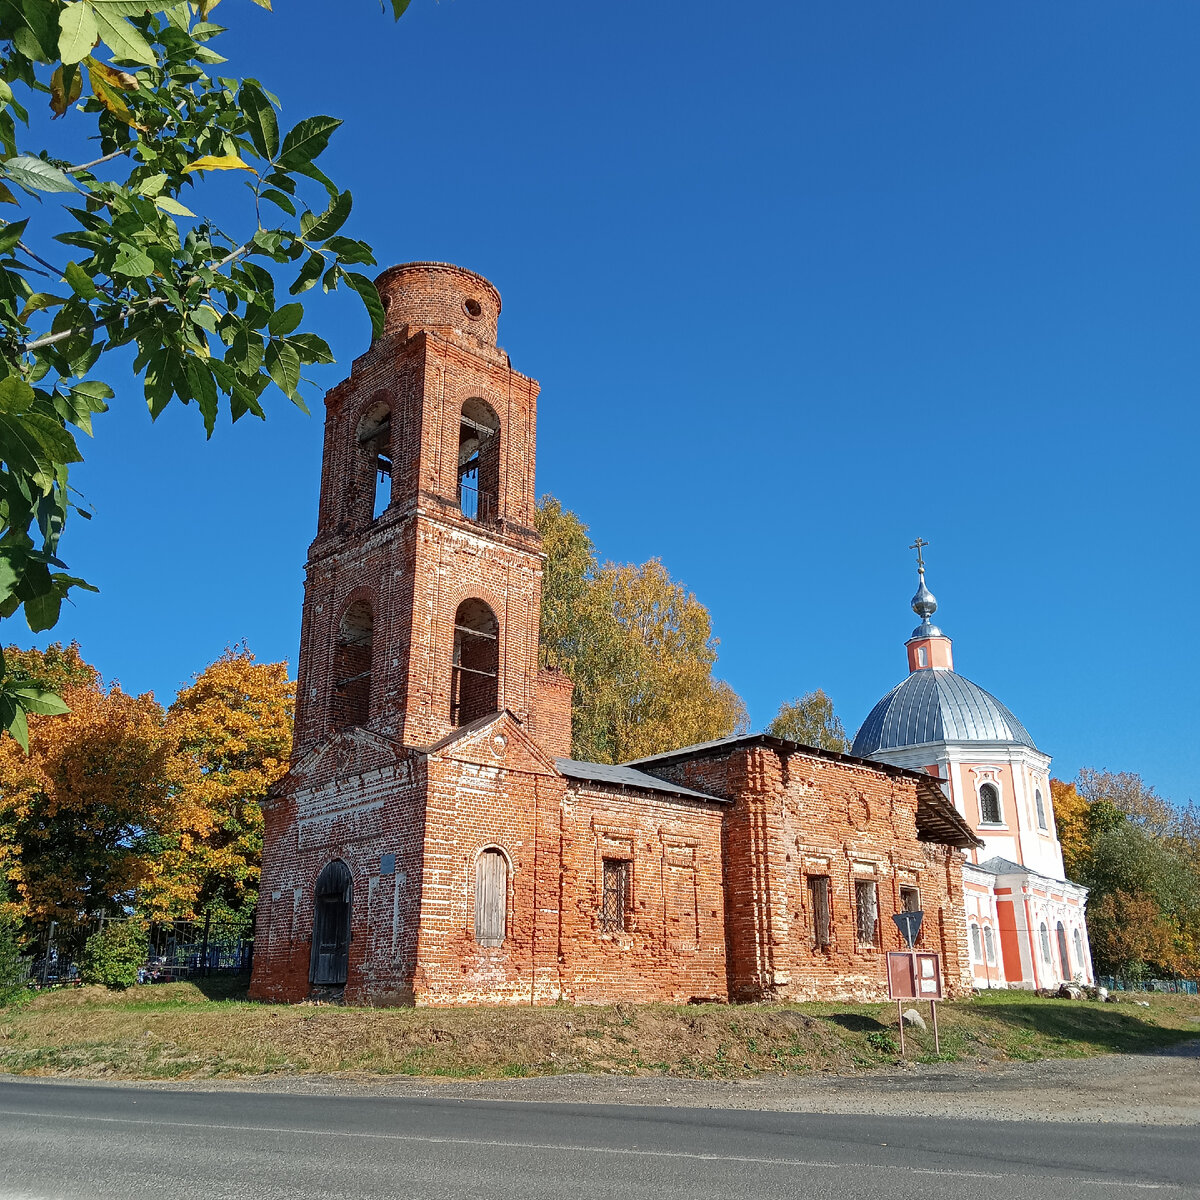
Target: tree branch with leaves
(138, 264)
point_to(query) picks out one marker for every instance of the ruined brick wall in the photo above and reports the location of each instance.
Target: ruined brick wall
(372, 818)
(496, 791)
(797, 816)
(550, 721)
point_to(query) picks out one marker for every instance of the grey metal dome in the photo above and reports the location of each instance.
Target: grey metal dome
(937, 706)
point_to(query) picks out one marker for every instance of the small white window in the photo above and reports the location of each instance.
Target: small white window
(922, 657)
(976, 948)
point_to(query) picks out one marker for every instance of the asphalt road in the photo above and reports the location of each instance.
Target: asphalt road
(65, 1140)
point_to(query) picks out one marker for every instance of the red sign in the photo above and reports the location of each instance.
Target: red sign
(914, 975)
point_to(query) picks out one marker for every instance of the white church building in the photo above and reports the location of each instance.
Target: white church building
(1025, 919)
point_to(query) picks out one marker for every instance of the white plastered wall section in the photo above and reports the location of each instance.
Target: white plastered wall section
(980, 902)
(1019, 772)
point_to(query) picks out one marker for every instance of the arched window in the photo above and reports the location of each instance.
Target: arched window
(1064, 958)
(1041, 807)
(474, 673)
(989, 804)
(352, 667)
(491, 898)
(976, 948)
(1078, 940)
(989, 945)
(1044, 935)
(375, 440)
(479, 462)
(329, 961)
(922, 657)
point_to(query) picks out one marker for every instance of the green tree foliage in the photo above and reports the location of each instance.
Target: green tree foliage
(116, 251)
(113, 954)
(12, 961)
(1139, 857)
(637, 646)
(811, 721)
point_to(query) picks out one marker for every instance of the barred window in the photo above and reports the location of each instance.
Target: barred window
(989, 804)
(866, 903)
(910, 901)
(818, 895)
(614, 900)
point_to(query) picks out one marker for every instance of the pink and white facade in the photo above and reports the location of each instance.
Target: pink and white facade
(1025, 920)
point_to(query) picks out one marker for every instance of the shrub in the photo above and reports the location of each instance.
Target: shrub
(114, 953)
(13, 966)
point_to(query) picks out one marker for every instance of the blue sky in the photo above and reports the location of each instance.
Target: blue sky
(800, 282)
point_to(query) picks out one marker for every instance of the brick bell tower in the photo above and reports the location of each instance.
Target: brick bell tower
(423, 584)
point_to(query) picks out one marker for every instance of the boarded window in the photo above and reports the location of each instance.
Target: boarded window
(1041, 808)
(332, 898)
(614, 898)
(976, 944)
(989, 804)
(989, 945)
(352, 667)
(818, 897)
(474, 670)
(1064, 959)
(866, 904)
(491, 898)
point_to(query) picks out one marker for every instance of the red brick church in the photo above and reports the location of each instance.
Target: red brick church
(434, 843)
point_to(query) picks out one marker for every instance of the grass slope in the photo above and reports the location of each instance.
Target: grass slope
(176, 1031)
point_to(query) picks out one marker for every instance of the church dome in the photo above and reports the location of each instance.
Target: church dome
(937, 706)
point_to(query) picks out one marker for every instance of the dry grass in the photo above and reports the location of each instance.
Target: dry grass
(177, 1031)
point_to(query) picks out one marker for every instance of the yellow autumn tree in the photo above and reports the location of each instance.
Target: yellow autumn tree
(637, 645)
(79, 814)
(1071, 822)
(233, 728)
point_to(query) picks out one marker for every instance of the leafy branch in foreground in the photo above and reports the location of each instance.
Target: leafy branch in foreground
(135, 265)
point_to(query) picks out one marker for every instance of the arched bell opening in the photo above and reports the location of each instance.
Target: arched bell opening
(474, 672)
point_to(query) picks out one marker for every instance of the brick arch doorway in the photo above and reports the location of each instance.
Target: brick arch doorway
(332, 898)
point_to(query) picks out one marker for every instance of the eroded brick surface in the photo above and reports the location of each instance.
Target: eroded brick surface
(715, 900)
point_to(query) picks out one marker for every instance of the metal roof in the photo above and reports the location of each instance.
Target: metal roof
(937, 706)
(937, 819)
(627, 777)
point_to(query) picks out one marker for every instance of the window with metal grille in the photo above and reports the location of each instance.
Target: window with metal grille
(818, 896)
(474, 667)
(976, 944)
(1041, 807)
(989, 945)
(491, 898)
(614, 899)
(866, 904)
(910, 901)
(989, 804)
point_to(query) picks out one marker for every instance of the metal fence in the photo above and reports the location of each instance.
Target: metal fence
(175, 949)
(1190, 987)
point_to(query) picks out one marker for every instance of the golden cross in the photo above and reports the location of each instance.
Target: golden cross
(918, 546)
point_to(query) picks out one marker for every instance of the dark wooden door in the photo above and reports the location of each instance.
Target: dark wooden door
(330, 960)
